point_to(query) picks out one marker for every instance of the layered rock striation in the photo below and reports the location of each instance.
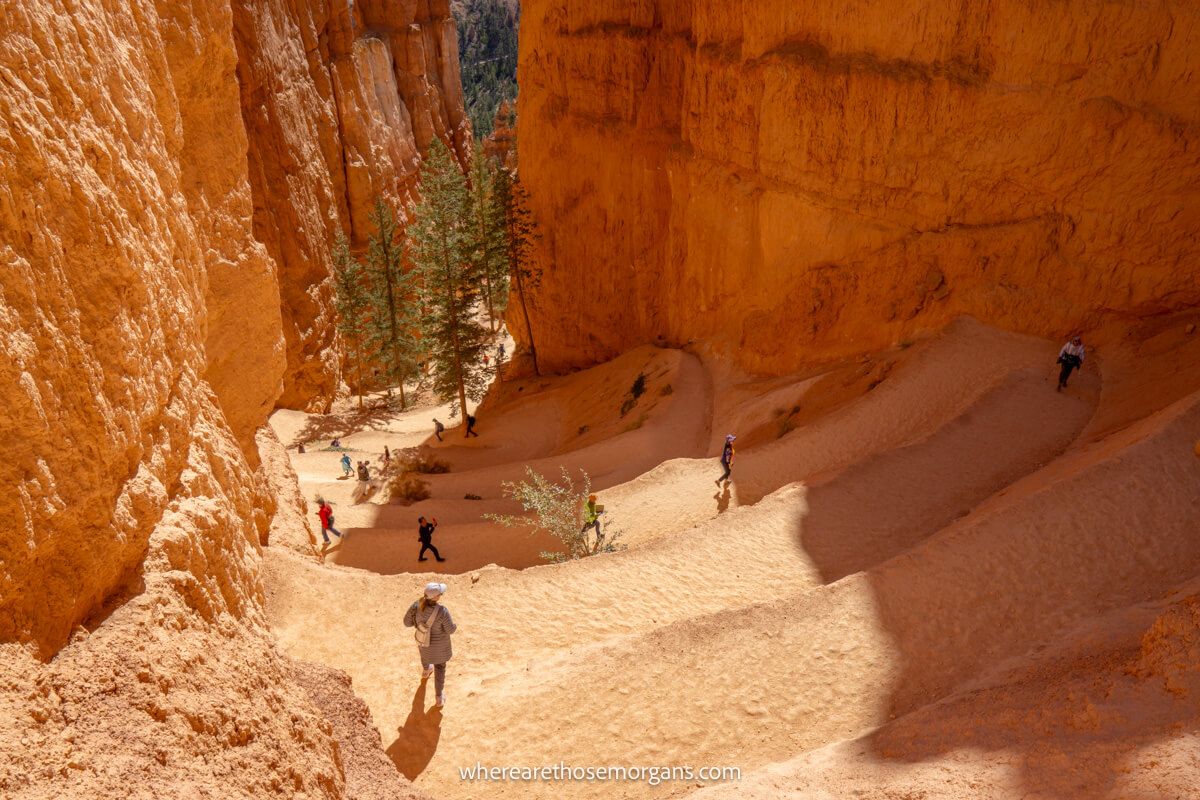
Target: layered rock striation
(796, 181)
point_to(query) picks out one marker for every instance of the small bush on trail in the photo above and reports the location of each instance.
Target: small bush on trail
(639, 386)
(637, 423)
(557, 508)
(786, 425)
(666, 390)
(408, 488)
(421, 461)
(635, 391)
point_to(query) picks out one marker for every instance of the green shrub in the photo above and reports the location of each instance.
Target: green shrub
(557, 509)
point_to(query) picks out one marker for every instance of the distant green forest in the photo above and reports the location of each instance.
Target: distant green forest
(487, 46)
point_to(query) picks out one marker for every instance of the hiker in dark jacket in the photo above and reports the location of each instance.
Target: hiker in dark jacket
(425, 537)
(727, 459)
(471, 426)
(428, 613)
(438, 427)
(1071, 357)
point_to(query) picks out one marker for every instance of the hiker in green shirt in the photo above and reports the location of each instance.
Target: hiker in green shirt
(591, 517)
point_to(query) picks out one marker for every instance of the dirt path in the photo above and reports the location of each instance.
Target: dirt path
(800, 607)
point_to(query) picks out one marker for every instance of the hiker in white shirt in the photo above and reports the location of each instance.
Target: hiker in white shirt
(1071, 357)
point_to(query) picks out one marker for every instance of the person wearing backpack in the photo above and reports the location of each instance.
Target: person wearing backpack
(438, 429)
(471, 426)
(434, 625)
(364, 482)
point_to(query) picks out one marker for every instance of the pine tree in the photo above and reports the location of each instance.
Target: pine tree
(520, 233)
(488, 234)
(352, 304)
(441, 241)
(393, 318)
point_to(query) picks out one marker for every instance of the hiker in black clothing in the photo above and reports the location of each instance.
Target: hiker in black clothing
(438, 428)
(425, 537)
(471, 426)
(1071, 357)
(727, 459)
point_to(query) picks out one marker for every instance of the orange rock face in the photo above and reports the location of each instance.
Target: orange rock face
(340, 100)
(141, 347)
(796, 181)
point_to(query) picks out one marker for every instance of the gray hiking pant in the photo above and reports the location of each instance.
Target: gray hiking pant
(439, 677)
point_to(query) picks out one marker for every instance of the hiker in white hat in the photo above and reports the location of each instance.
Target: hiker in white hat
(434, 626)
(727, 459)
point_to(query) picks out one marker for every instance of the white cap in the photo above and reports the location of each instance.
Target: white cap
(434, 590)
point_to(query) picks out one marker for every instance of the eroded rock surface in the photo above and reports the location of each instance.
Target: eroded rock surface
(794, 181)
(141, 347)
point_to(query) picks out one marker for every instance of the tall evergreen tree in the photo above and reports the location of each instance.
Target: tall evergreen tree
(441, 241)
(393, 300)
(520, 234)
(352, 303)
(488, 234)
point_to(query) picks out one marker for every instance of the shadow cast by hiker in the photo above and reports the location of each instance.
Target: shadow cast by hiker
(722, 497)
(417, 739)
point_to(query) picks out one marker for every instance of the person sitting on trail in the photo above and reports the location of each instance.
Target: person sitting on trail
(438, 428)
(591, 517)
(434, 626)
(346, 469)
(471, 426)
(336, 444)
(1071, 357)
(727, 459)
(425, 537)
(325, 513)
(300, 448)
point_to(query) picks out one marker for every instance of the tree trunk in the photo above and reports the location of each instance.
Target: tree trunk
(487, 274)
(525, 314)
(358, 361)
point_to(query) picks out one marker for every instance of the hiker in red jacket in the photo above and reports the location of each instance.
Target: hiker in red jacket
(325, 512)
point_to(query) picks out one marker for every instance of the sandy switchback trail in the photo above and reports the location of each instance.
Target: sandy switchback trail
(907, 537)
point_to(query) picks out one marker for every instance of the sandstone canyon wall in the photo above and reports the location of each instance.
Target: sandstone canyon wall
(798, 181)
(340, 99)
(146, 237)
